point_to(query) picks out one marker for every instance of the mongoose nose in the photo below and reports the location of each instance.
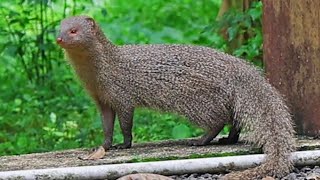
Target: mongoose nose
(59, 40)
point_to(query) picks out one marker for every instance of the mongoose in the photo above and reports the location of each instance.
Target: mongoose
(208, 87)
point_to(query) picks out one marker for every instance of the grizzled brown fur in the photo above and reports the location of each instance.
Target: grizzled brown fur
(208, 87)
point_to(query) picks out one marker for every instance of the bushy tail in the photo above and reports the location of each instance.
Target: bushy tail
(269, 124)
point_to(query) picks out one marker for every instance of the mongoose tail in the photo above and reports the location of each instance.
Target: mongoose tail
(269, 126)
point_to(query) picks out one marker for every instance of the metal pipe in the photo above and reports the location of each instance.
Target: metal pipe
(201, 165)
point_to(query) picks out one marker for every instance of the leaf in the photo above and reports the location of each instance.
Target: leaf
(58, 134)
(53, 117)
(104, 12)
(181, 131)
(97, 154)
(22, 141)
(226, 129)
(18, 102)
(256, 11)
(232, 32)
(255, 14)
(11, 50)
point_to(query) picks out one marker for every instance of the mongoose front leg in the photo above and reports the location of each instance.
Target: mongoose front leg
(125, 119)
(233, 136)
(207, 138)
(108, 117)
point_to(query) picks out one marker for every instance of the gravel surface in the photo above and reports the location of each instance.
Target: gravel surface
(305, 173)
(197, 176)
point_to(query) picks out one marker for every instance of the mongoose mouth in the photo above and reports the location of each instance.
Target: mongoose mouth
(59, 40)
(61, 43)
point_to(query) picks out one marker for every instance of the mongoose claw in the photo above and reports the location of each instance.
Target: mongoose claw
(97, 154)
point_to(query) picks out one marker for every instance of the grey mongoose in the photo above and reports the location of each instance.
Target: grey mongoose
(208, 87)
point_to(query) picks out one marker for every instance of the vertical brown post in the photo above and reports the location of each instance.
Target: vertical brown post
(291, 31)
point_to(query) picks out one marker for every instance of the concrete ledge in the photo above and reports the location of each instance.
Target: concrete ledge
(164, 150)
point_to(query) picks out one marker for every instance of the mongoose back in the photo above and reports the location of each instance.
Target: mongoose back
(208, 87)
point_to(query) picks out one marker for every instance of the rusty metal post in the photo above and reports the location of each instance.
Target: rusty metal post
(291, 31)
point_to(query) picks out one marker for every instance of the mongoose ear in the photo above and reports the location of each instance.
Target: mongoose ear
(92, 24)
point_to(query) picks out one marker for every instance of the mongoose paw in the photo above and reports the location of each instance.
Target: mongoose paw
(95, 155)
(121, 146)
(198, 142)
(226, 141)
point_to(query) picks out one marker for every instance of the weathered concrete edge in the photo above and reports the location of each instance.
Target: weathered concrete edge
(212, 165)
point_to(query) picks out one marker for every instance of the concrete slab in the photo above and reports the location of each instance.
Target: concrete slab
(164, 150)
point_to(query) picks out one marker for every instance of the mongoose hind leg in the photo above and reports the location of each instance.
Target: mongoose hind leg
(233, 136)
(208, 137)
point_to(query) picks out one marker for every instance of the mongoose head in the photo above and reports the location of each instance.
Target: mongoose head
(78, 32)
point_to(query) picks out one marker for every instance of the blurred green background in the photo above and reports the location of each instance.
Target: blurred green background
(42, 104)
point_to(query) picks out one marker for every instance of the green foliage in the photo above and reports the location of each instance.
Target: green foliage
(157, 126)
(28, 35)
(244, 34)
(43, 106)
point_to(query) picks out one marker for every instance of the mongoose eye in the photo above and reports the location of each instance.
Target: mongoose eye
(73, 31)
